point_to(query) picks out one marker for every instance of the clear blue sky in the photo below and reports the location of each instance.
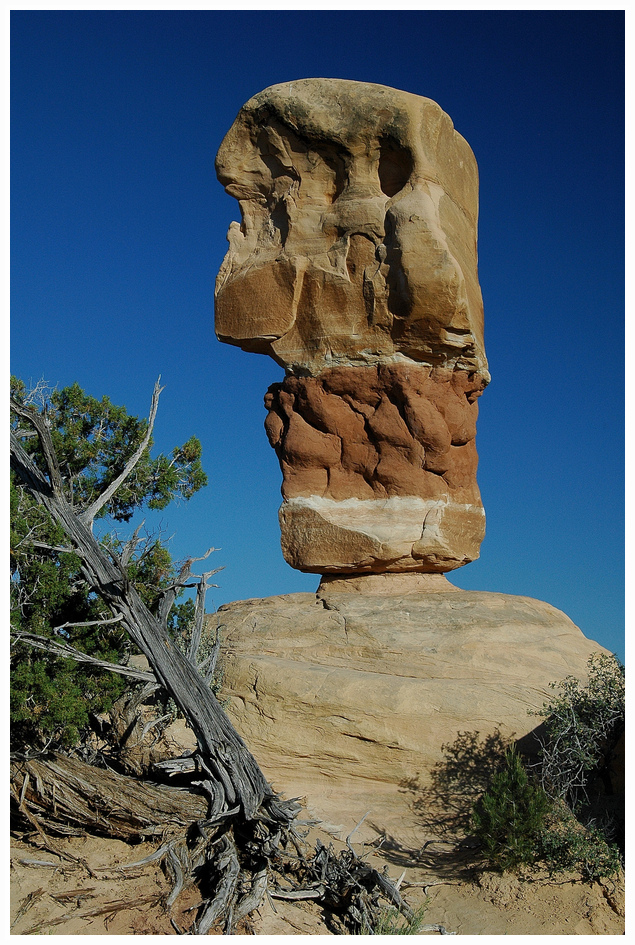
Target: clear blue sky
(118, 230)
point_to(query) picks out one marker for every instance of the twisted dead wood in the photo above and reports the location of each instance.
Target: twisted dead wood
(72, 796)
(234, 776)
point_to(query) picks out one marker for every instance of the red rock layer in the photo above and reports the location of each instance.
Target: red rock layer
(375, 432)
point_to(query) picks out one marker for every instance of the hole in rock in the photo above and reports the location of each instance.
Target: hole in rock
(395, 166)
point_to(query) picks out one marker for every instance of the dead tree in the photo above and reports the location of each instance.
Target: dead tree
(248, 825)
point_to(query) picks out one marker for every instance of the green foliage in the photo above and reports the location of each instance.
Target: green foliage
(46, 698)
(519, 822)
(510, 815)
(392, 922)
(566, 845)
(582, 724)
(52, 698)
(94, 439)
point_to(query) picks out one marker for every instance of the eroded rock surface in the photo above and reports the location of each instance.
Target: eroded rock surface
(359, 208)
(379, 468)
(355, 267)
(354, 692)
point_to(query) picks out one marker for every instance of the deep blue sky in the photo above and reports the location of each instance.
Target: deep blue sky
(118, 230)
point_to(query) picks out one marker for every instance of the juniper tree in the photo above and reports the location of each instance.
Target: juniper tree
(93, 440)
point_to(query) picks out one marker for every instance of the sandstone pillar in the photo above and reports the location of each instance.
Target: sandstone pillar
(354, 267)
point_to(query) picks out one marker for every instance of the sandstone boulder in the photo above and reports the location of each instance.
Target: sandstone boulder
(354, 692)
(357, 241)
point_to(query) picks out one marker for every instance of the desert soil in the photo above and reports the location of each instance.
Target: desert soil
(89, 891)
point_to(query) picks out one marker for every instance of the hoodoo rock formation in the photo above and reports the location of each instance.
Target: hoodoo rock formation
(355, 268)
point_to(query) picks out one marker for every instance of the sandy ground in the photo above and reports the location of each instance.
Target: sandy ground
(89, 892)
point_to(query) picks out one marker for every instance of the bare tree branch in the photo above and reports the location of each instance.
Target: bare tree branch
(28, 471)
(88, 623)
(62, 549)
(43, 430)
(67, 651)
(131, 545)
(88, 515)
(199, 616)
(209, 665)
(168, 594)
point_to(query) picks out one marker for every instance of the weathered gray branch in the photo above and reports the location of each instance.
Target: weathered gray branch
(209, 665)
(66, 651)
(61, 549)
(89, 514)
(87, 623)
(199, 616)
(130, 546)
(77, 797)
(169, 594)
(38, 421)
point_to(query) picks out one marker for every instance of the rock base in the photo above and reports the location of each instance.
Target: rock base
(363, 684)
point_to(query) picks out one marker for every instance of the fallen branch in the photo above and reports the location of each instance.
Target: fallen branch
(30, 900)
(109, 908)
(24, 861)
(70, 792)
(46, 841)
(316, 893)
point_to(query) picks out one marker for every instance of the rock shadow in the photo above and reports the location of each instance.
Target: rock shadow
(443, 802)
(443, 859)
(443, 805)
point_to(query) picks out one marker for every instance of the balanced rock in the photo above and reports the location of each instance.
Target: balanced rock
(355, 692)
(355, 268)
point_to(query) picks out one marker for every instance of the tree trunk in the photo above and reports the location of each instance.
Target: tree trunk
(234, 775)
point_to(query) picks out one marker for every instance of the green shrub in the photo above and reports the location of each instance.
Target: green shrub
(582, 725)
(510, 815)
(517, 821)
(567, 845)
